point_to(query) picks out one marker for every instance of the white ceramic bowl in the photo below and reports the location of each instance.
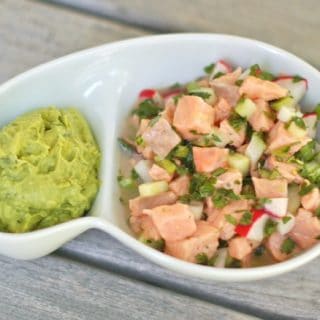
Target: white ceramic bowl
(103, 83)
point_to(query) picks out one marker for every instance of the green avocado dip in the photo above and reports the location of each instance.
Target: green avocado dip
(49, 164)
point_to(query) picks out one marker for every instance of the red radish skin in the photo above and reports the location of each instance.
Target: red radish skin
(171, 94)
(226, 65)
(291, 78)
(244, 230)
(311, 114)
(147, 94)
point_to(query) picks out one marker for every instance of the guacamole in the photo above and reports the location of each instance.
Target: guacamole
(49, 164)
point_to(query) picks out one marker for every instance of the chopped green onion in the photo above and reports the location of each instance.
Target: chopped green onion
(180, 151)
(317, 111)
(288, 246)
(307, 152)
(218, 172)
(222, 197)
(231, 219)
(246, 218)
(166, 164)
(155, 244)
(270, 227)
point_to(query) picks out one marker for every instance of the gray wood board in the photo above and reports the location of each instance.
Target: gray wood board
(32, 33)
(289, 24)
(295, 295)
(57, 288)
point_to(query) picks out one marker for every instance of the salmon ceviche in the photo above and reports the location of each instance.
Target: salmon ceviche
(224, 170)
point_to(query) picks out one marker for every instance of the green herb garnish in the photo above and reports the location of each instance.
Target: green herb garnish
(222, 197)
(239, 83)
(269, 174)
(237, 122)
(246, 218)
(270, 227)
(201, 94)
(261, 202)
(147, 109)
(307, 152)
(201, 258)
(231, 219)
(218, 172)
(297, 78)
(209, 68)
(288, 246)
(305, 189)
(286, 219)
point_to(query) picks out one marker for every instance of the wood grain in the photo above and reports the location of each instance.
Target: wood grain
(295, 295)
(57, 288)
(32, 33)
(289, 24)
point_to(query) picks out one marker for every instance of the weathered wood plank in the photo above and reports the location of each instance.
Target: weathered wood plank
(32, 33)
(295, 295)
(290, 24)
(57, 288)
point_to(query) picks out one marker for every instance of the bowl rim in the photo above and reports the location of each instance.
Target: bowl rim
(187, 268)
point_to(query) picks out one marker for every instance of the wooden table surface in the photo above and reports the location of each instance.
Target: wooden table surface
(94, 276)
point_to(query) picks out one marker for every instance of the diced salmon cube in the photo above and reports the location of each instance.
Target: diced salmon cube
(306, 229)
(193, 116)
(157, 173)
(228, 78)
(274, 244)
(161, 138)
(232, 180)
(261, 119)
(204, 240)
(222, 110)
(287, 170)
(174, 222)
(169, 110)
(229, 92)
(144, 226)
(311, 201)
(137, 205)
(265, 188)
(279, 137)
(237, 138)
(239, 248)
(180, 185)
(256, 88)
(209, 159)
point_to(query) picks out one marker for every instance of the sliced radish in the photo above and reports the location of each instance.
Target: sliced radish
(142, 168)
(310, 120)
(297, 88)
(255, 148)
(220, 67)
(284, 226)
(254, 231)
(150, 94)
(222, 255)
(277, 206)
(244, 74)
(196, 208)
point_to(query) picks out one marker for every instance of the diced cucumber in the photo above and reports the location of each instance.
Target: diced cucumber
(283, 102)
(153, 188)
(245, 108)
(240, 162)
(285, 114)
(255, 148)
(207, 94)
(293, 198)
(296, 131)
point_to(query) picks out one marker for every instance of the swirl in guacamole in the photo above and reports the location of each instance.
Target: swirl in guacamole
(49, 163)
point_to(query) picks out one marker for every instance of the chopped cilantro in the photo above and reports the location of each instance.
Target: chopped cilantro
(201, 258)
(154, 120)
(201, 94)
(256, 71)
(318, 212)
(207, 140)
(201, 186)
(209, 68)
(237, 122)
(218, 172)
(307, 152)
(239, 83)
(221, 197)
(288, 246)
(206, 189)
(176, 98)
(166, 164)
(305, 189)
(286, 219)
(180, 152)
(270, 227)
(218, 75)
(261, 202)
(246, 218)
(269, 174)
(231, 219)
(155, 244)
(311, 171)
(147, 109)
